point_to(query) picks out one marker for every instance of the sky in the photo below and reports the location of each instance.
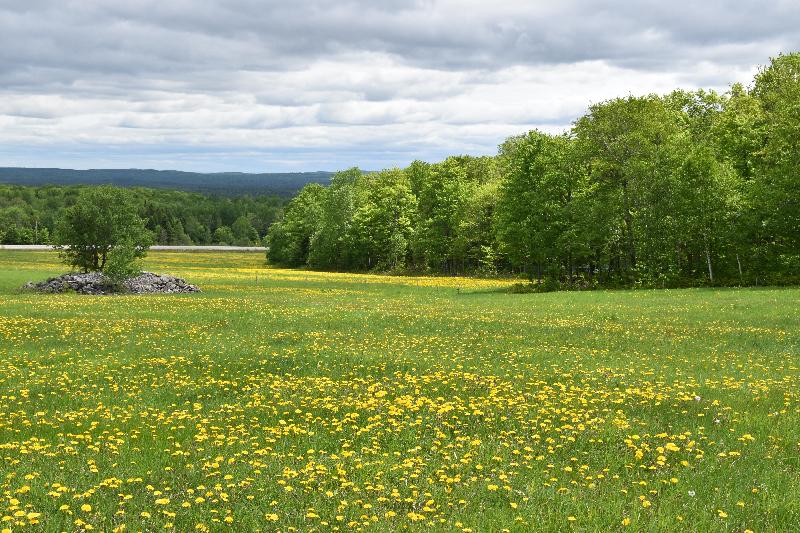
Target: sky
(303, 85)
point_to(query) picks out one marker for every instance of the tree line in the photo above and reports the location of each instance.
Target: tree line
(285, 184)
(29, 215)
(680, 189)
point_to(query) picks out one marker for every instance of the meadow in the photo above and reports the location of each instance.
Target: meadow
(291, 400)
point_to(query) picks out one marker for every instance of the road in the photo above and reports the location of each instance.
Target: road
(154, 248)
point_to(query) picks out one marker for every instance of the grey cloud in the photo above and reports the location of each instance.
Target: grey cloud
(177, 37)
(331, 75)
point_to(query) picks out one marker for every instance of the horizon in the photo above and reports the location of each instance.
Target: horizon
(142, 169)
(239, 87)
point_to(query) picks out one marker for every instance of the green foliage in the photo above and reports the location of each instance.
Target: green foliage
(21, 224)
(244, 234)
(289, 240)
(382, 223)
(361, 222)
(123, 262)
(442, 198)
(629, 145)
(536, 226)
(27, 214)
(475, 240)
(677, 190)
(224, 236)
(102, 220)
(329, 247)
(777, 163)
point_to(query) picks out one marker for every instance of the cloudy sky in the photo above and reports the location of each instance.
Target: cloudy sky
(261, 85)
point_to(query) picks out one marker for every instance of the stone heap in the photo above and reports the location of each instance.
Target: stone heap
(97, 283)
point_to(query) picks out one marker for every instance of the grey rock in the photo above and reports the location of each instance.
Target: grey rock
(147, 282)
(97, 283)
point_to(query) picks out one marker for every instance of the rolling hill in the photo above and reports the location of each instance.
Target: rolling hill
(223, 183)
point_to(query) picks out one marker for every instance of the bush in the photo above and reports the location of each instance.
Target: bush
(122, 263)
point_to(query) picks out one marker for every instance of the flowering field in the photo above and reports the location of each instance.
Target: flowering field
(284, 400)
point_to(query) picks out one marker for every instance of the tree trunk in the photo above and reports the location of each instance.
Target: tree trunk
(569, 261)
(628, 216)
(708, 261)
(739, 264)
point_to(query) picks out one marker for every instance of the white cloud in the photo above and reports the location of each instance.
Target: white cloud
(252, 85)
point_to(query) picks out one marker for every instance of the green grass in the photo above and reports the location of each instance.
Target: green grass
(298, 401)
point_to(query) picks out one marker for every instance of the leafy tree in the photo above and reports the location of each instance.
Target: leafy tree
(289, 240)
(629, 145)
(329, 247)
(417, 173)
(475, 239)
(777, 163)
(534, 216)
(223, 236)
(707, 202)
(102, 219)
(175, 234)
(123, 262)
(382, 224)
(16, 226)
(706, 205)
(738, 131)
(244, 234)
(198, 233)
(443, 193)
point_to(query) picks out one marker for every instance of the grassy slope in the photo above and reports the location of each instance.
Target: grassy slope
(282, 398)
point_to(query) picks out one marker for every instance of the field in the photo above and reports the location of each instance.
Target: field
(281, 400)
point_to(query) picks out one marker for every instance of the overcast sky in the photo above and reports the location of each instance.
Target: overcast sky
(258, 85)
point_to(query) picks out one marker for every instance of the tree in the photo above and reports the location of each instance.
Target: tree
(288, 241)
(382, 227)
(27, 214)
(777, 163)
(443, 191)
(475, 239)
(629, 146)
(738, 131)
(176, 236)
(534, 222)
(103, 219)
(197, 232)
(244, 234)
(123, 262)
(16, 226)
(706, 206)
(707, 203)
(223, 236)
(329, 248)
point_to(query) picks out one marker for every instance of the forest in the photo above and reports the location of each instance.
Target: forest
(682, 189)
(28, 215)
(219, 183)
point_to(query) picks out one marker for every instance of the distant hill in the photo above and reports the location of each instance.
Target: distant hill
(223, 183)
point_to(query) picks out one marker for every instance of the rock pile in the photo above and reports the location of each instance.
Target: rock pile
(147, 282)
(97, 283)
